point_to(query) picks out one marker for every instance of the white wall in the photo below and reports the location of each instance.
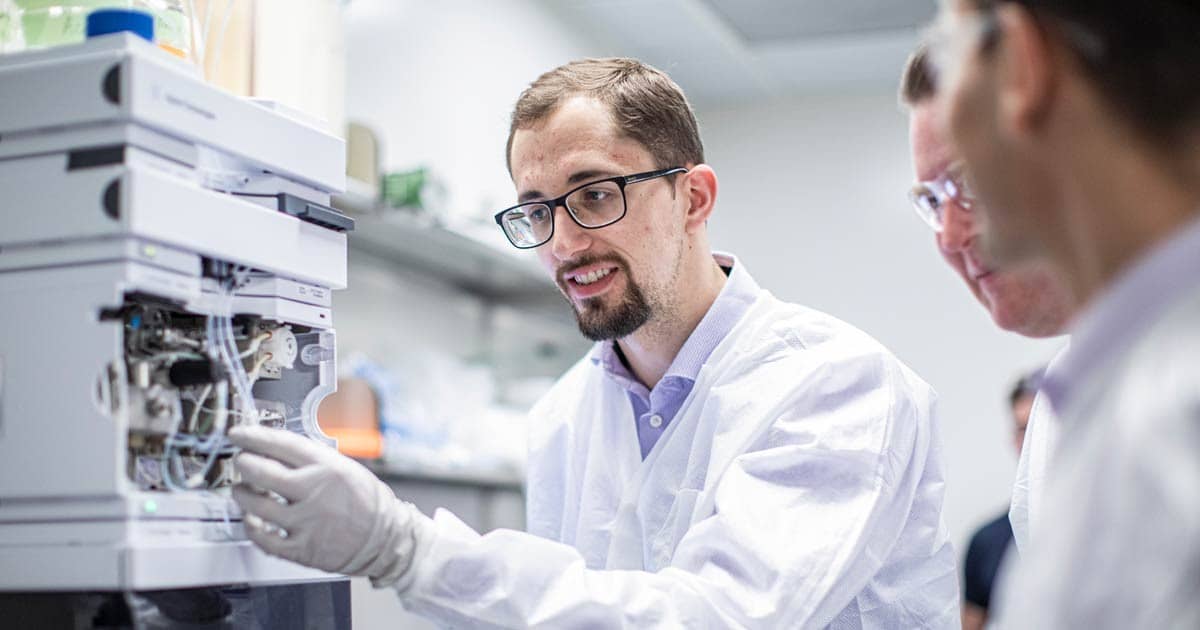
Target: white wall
(437, 81)
(812, 197)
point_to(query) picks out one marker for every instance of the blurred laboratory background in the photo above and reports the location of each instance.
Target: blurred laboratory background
(447, 334)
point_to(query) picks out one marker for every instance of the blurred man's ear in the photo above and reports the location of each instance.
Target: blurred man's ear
(1028, 65)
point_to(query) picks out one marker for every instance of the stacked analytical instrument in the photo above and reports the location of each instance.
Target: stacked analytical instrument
(167, 253)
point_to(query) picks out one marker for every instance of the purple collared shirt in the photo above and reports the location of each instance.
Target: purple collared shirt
(1122, 312)
(653, 409)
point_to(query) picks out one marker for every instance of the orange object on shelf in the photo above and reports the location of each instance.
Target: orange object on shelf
(358, 443)
(173, 50)
(351, 416)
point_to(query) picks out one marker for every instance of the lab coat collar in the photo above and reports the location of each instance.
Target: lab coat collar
(1118, 316)
(735, 297)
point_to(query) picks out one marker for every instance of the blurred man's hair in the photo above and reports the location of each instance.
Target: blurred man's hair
(1143, 56)
(917, 83)
(1027, 385)
(645, 104)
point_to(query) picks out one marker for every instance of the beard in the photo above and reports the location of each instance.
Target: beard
(599, 322)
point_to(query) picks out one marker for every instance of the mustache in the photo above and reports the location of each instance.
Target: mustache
(567, 268)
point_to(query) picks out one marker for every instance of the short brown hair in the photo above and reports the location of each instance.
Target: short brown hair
(917, 84)
(1143, 56)
(646, 106)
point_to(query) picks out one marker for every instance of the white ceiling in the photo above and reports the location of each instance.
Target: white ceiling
(726, 52)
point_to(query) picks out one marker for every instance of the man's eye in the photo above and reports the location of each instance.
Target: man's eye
(539, 214)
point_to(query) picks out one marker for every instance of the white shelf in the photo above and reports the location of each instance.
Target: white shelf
(454, 257)
(470, 258)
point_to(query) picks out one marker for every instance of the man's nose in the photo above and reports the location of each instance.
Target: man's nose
(569, 239)
(959, 228)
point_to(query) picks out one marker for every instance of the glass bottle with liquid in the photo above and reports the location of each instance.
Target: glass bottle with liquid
(31, 24)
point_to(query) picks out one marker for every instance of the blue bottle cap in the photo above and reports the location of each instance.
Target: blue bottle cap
(105, 21)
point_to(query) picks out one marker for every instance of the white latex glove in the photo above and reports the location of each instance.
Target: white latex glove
(338, 516)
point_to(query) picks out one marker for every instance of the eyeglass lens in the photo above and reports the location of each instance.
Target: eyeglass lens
(595, 205)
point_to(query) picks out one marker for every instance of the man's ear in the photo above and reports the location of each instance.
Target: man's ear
(700, 187)
(1028, 70)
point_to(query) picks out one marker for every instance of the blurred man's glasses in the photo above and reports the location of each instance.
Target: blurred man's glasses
(930, 198)
(593, 205)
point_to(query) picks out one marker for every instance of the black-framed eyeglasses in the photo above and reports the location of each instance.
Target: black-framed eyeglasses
(592, 206)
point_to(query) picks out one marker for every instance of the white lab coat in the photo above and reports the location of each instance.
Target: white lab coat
(1121, 543)
(1033, 468)
(800, 485)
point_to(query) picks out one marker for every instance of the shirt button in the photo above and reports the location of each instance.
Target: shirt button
(656, 421)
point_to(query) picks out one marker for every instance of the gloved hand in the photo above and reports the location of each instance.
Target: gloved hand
(337, 517)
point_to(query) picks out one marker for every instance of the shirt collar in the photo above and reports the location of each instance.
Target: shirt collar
(1120, 314)
(734, 299)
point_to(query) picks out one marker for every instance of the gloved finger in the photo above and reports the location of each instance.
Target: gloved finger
(264, 507)
(268, 474)
(269, 539)
(285, 446)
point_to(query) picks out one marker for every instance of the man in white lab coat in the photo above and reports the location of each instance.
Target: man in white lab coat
(720, 459)
(1080, 125)
(1031, 299)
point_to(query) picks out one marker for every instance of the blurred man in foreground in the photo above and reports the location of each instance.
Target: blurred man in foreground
(1079, 123)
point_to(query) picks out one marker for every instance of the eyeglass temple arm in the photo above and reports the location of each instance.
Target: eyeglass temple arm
(641, 177)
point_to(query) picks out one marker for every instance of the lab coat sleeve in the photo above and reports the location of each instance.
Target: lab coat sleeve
(803, 520)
